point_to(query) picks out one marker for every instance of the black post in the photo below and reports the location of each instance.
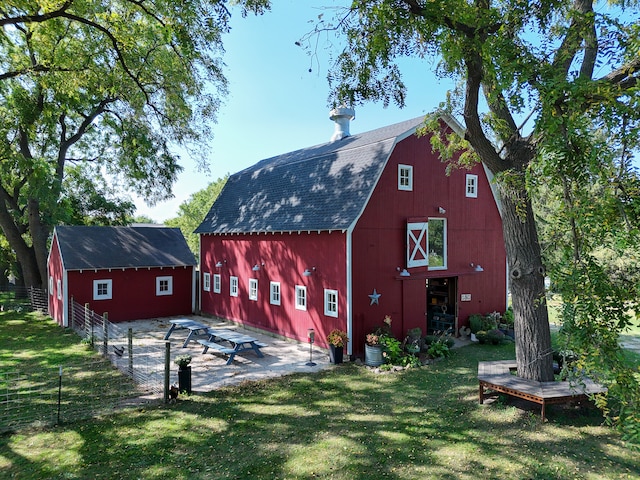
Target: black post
(59, 393)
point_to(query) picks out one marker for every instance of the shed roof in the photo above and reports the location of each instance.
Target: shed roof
(324, 187)
(86, 248)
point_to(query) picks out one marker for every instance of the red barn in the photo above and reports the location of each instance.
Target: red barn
(129, 272)
(341, 234)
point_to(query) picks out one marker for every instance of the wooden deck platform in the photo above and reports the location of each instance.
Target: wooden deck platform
(497, 377)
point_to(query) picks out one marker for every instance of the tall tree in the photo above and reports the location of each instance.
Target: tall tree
(192, 211)
(109, 85)
(559, 65)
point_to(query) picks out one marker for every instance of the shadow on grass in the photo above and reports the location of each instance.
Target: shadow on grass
(346, 423)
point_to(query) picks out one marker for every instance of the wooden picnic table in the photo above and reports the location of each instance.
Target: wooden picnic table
(239, 342)
(195, 328)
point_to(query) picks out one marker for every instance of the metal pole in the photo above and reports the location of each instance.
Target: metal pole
(130, 346)
(59, 393)
(167, 366)
(105, 333)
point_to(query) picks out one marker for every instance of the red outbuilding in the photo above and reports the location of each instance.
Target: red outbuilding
(340, 235)
(130, 273)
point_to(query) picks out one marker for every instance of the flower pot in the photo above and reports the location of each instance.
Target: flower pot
(336, 354)
(184, 379)
(373, 355)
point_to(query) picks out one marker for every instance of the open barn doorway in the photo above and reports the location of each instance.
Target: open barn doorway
(442, 305)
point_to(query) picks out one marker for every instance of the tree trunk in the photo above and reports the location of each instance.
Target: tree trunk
(526, 275)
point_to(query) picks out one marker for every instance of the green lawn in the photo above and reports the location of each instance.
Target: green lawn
(344, 423)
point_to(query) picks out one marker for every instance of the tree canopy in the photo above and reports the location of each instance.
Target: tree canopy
(548, 93)
(107, 88)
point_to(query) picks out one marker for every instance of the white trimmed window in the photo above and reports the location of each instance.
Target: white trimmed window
(437, 243)
(253, 289)
(51, 286)
(331, 303)
(274, 295)
(405, 177)
(233, 286)
(471, 189)
(164, 286)
(59, 289)
(206, 282)
(102, 289)
(217, 283)
(301, 297)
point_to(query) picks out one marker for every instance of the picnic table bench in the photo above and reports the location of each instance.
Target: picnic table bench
(195, 329)
(238, 343)
(497, 377)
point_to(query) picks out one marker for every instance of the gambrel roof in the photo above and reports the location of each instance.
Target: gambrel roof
(325, 187)
(89, 248)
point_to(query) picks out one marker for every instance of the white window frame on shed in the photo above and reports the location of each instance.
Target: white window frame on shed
(405, 177)
(217, 283)
(206, 281)
(471, 185)
(51, 286)
(275, 296)
(164, 286)
(59, 289)
(233, 286)
(331, 303)
(253, 289)
(301, 297)
(433, 231)
(99, 293)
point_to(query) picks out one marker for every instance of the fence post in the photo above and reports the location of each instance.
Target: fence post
(88, 324)
(130, 346)
(72, 322)
(59, 392)
(167, 366)
(105, 333)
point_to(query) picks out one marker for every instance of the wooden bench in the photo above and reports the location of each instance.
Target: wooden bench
(222, 348)
(497, 377)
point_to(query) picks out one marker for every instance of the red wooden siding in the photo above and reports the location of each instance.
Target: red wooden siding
(474, 235)
(55, 272)
(285, 257)
(134, 292)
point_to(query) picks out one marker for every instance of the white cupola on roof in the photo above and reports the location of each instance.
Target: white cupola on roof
(341, 116)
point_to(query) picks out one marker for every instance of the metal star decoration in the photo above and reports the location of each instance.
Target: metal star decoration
(375, 296)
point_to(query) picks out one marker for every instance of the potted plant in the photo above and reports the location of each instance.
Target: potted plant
(373, 344)
(184, 372)
(337, 339)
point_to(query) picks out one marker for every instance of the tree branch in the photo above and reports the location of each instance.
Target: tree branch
(39, 18)
(573, 39)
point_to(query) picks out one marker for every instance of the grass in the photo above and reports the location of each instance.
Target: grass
(344, 423)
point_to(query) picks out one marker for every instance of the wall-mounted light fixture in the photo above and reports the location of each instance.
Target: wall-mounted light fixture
(308, 272)
(441, 210)
(257, 266)
(403, 272)
(477, 268)
(219, 264)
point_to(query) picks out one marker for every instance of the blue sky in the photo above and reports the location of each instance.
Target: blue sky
(276, 105)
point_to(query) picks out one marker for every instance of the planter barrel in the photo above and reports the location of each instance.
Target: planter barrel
(373, 355)
(184, 379)
(336, 354)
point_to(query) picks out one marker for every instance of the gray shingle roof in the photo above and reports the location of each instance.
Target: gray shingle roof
(85, 248)
(324, 187)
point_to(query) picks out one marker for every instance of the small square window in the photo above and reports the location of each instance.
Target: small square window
(233, 286)
(301, 297)
(274, 298)
(331, 303)
(253, 289)
(206, 282)
(217, 282)
(102, 289)
(471, 186)
(164, 286)
(405, 177)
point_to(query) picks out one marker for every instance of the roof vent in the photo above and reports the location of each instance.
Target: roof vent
(341, 117)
